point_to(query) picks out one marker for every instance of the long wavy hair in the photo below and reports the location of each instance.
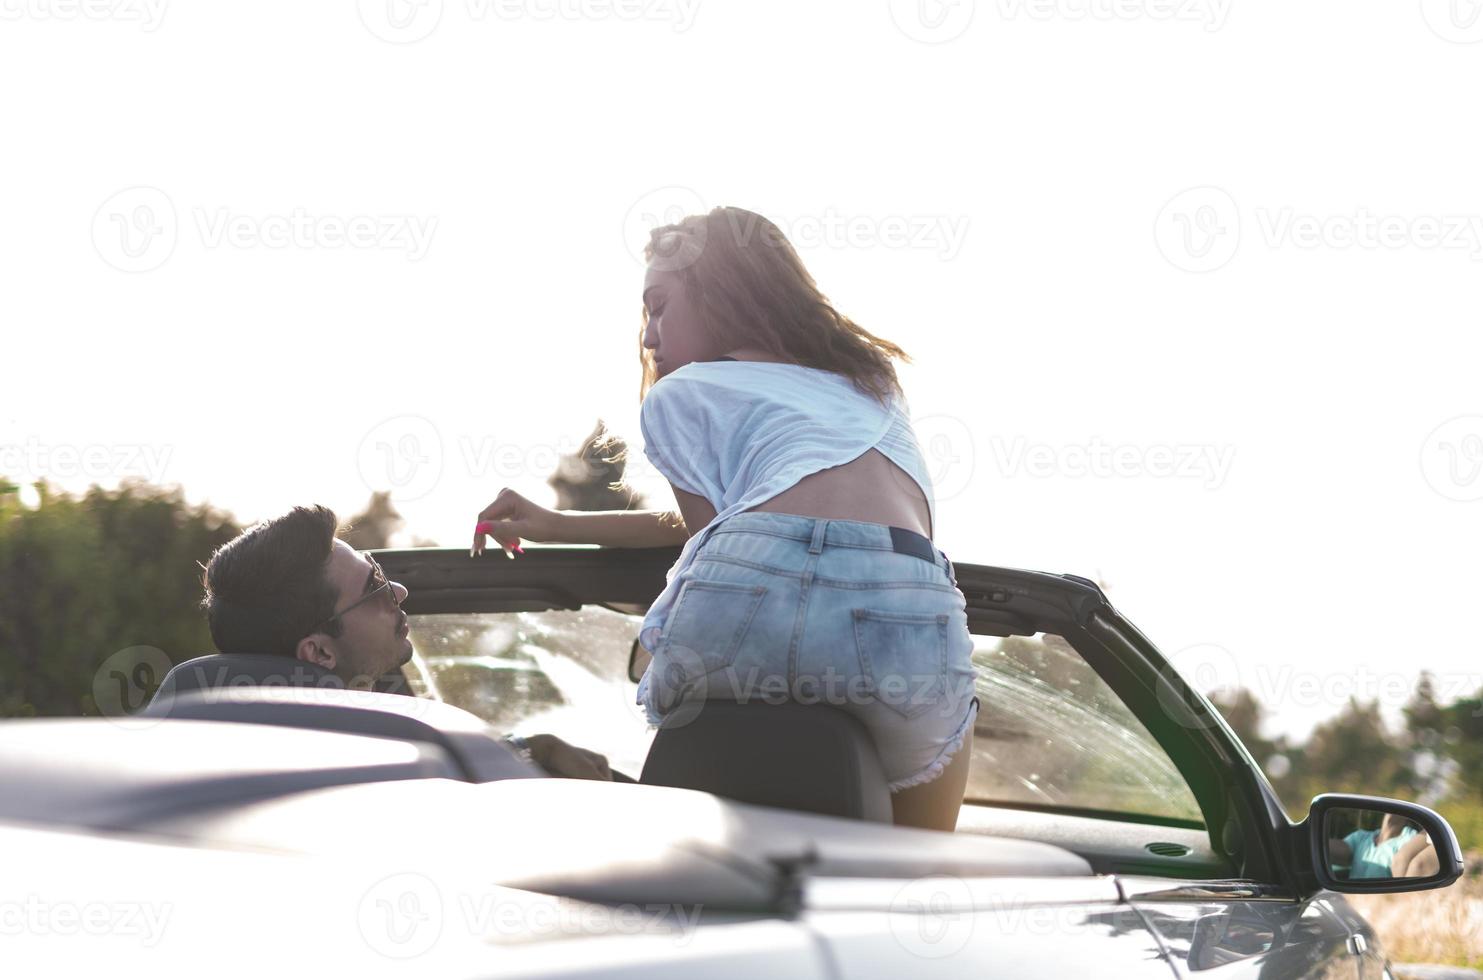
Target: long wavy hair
(751, 289)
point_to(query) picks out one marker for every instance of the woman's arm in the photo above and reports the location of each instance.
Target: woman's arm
(1407, 851)
(512, 517)
(621, 528)
(1424, 864)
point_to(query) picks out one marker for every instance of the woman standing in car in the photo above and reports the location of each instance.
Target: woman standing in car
(808, 571)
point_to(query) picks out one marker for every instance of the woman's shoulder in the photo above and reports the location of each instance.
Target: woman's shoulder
(788, 385)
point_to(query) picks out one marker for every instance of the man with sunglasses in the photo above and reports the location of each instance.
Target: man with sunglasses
(290, 587)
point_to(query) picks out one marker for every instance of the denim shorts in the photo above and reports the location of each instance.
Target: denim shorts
(782, 607)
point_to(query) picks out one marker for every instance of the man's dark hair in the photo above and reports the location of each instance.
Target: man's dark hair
(267, 588)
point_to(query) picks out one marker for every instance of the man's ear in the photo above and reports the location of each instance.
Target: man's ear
(311, 651)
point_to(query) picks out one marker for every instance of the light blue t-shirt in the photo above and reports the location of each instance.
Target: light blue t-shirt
(741, 432)
(1372, 860)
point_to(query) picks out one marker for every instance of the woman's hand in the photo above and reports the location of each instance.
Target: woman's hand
(561, 759)
(512, 517)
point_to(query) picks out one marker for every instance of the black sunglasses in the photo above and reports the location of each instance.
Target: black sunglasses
(383, 587)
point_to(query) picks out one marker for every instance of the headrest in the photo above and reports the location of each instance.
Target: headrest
(224, 670)
(472, 744)
(810, 757)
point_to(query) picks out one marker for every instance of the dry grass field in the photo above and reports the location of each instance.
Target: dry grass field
(1443, 925)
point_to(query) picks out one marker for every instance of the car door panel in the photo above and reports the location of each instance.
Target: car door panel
(1231, 930)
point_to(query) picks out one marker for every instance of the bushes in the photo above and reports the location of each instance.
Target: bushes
(84, 577)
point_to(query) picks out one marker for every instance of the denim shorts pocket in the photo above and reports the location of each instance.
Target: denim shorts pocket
(707, 624)
(903, 657)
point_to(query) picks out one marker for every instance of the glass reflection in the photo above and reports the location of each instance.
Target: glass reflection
(1377, 844)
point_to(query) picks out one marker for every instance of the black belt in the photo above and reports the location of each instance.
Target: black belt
(909, 542)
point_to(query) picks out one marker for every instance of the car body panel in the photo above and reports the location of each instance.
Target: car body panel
(281, 849)
(1243, 929)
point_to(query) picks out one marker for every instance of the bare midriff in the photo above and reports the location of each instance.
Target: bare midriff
(868, 488)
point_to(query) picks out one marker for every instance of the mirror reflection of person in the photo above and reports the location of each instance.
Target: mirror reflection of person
(1398, 849)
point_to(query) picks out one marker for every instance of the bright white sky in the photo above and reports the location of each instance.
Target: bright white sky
(1004, 190)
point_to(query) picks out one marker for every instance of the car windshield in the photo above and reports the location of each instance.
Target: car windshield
(1050, 733)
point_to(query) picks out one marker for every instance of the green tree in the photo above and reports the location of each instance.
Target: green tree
(84, 577)
(1353, 752)
(1462, 739)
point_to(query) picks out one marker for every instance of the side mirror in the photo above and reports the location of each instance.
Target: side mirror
(1371, 844)
(638, 661)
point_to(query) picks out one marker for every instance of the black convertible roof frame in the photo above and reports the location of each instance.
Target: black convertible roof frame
(1001, 602)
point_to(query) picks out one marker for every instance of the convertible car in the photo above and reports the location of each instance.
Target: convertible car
(256, 819)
